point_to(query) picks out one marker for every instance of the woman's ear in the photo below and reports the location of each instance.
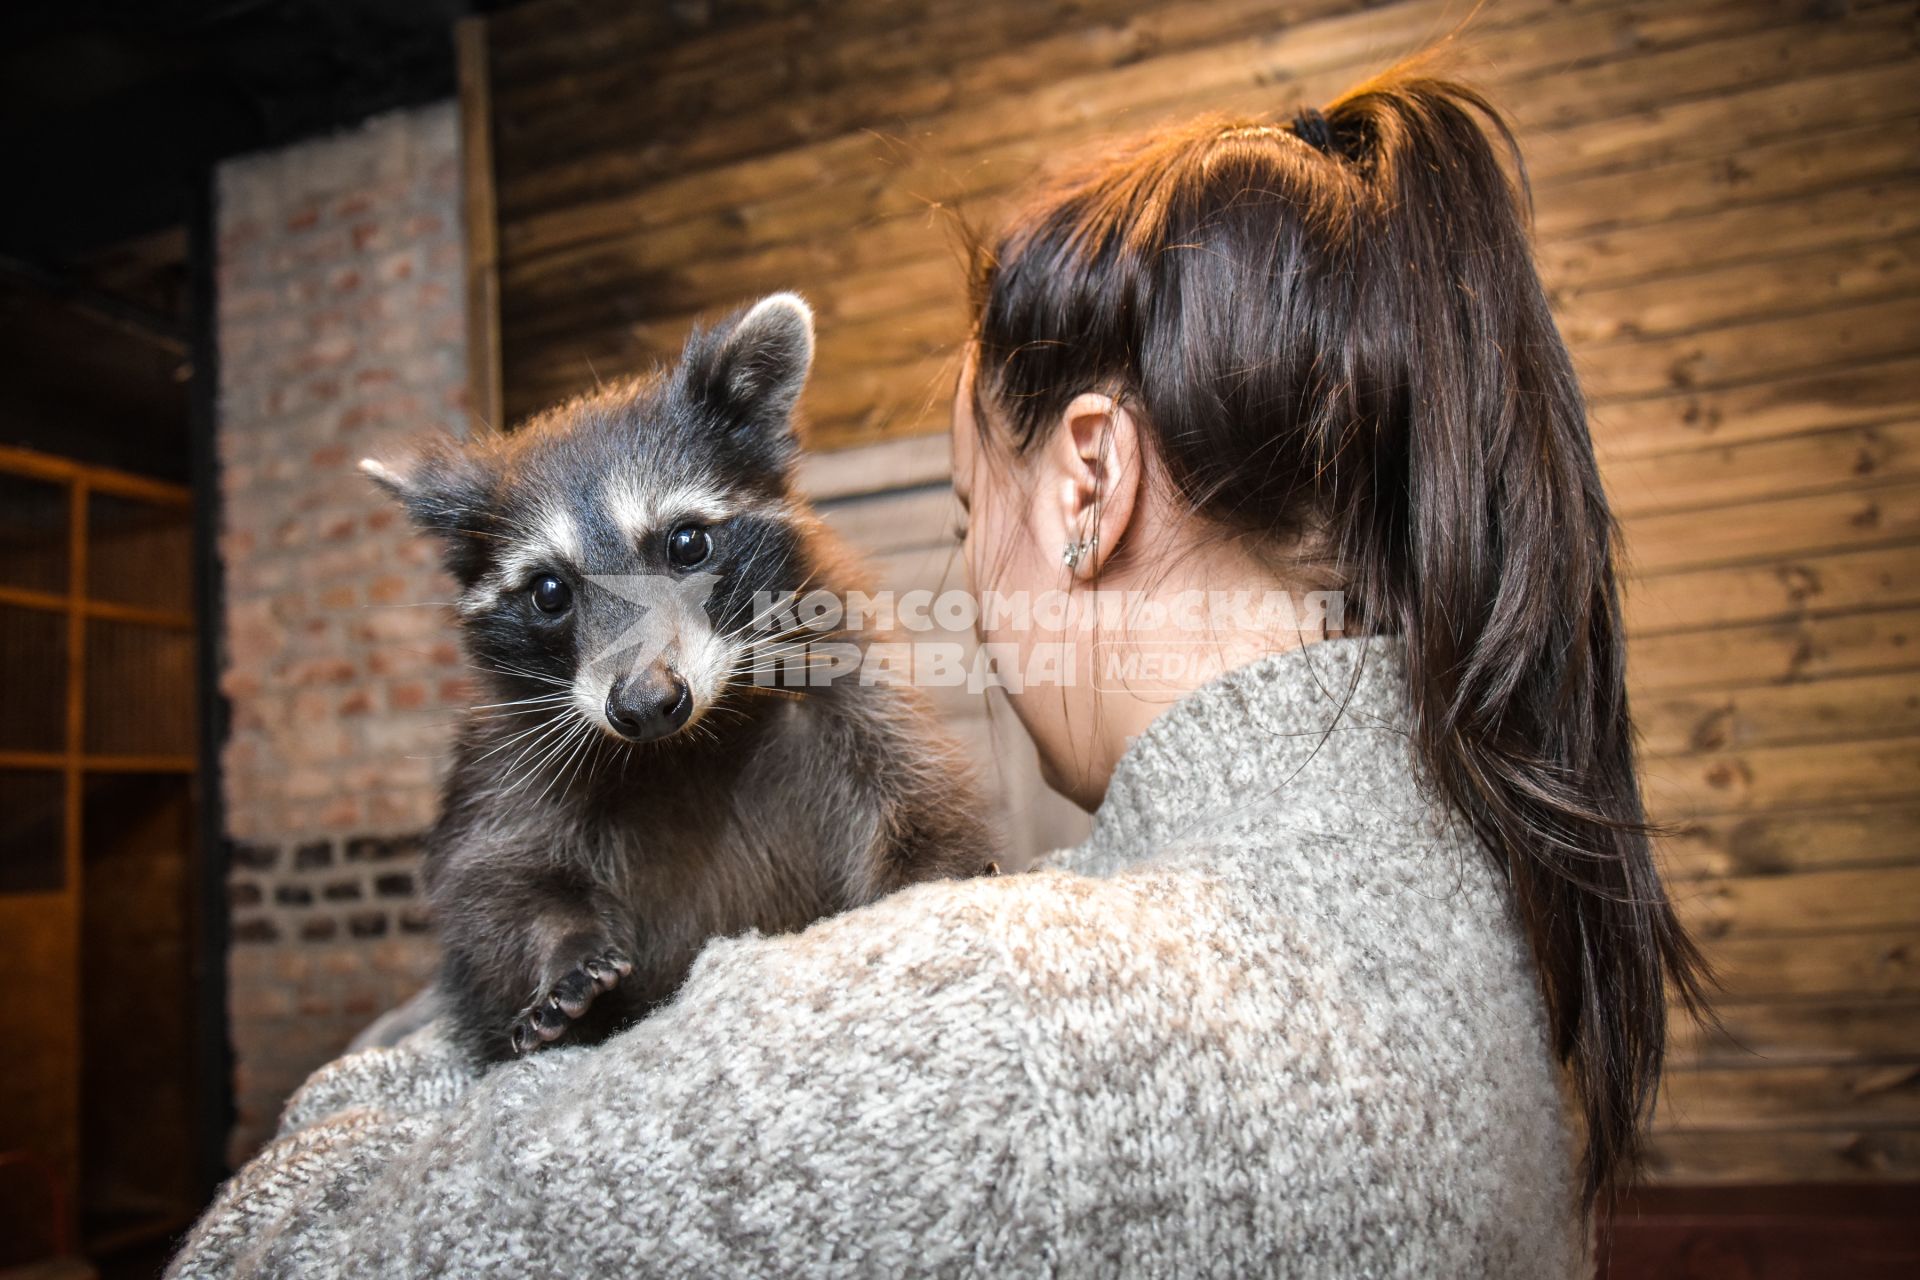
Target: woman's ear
(1095, 460)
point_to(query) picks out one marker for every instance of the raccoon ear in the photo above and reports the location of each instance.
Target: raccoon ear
(750, 372)
(445, 490)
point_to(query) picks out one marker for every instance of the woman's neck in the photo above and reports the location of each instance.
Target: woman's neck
(1218, 611)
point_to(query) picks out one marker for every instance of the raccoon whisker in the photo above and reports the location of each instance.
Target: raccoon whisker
(570, 768)
(511, 719)
(805, 637)
(796, 654)
(508, 669)
(514, 711)
(784, 645)
(521, 673)
(566, 768)
(814, 628)
(773, 691)
(792, 638)
(548, 750)
(754, 623)
(546, 722)
(558, 731)
(496, 750)
(773, 606)
(777, 677)
(599, 758)
(768, 662)
(542, 735)
(561, 689)
(763, 686)
(521, 702)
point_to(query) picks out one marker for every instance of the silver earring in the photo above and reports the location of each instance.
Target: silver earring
(1075, 552)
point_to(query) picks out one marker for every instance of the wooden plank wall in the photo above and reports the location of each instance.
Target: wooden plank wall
(1728, 212)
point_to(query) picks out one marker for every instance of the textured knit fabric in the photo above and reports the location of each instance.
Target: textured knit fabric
(1272, 1018)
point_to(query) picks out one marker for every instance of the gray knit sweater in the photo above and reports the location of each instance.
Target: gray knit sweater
(1273, 1017)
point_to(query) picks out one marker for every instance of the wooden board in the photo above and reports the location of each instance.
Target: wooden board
(1839, 964)
(1798, 587)
(1693, 1157)
(1827, 836)
(1876, 706)
(1810, 902)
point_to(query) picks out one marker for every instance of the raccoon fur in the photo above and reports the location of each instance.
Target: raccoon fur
(629, 787)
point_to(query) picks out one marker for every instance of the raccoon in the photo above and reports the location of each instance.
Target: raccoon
(633, 783)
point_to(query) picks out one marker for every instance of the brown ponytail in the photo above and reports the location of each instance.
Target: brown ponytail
(1334, 328)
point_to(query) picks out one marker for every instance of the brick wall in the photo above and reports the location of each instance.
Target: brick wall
(341, 330)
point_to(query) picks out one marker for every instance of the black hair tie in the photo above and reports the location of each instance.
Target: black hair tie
(1311, 127)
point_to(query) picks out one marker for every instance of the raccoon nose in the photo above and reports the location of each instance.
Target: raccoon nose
(649, 704)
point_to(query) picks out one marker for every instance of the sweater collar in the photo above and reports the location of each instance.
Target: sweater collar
(1286, 735)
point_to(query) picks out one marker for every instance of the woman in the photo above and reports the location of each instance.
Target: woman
(1362, 969)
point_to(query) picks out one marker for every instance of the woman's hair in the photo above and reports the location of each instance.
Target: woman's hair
(1334, 337)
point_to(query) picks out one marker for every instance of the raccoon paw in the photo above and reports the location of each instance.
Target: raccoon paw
(566, 998)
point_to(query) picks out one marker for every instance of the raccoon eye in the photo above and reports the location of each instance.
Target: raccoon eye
(550, 595)
(688, 546)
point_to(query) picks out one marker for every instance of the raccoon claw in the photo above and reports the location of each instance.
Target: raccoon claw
(606, 971)
(570, 996)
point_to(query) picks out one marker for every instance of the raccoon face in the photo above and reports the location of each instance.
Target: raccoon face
(614, 555)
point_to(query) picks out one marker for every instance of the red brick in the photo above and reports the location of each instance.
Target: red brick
(319, 671)
(396, 267)
(398, 626)
(328, 320)
(239, 234)
(252, 1001)
(388, 590)
(341, 813)
(402, 809)
(235, 683)
(242, 303)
